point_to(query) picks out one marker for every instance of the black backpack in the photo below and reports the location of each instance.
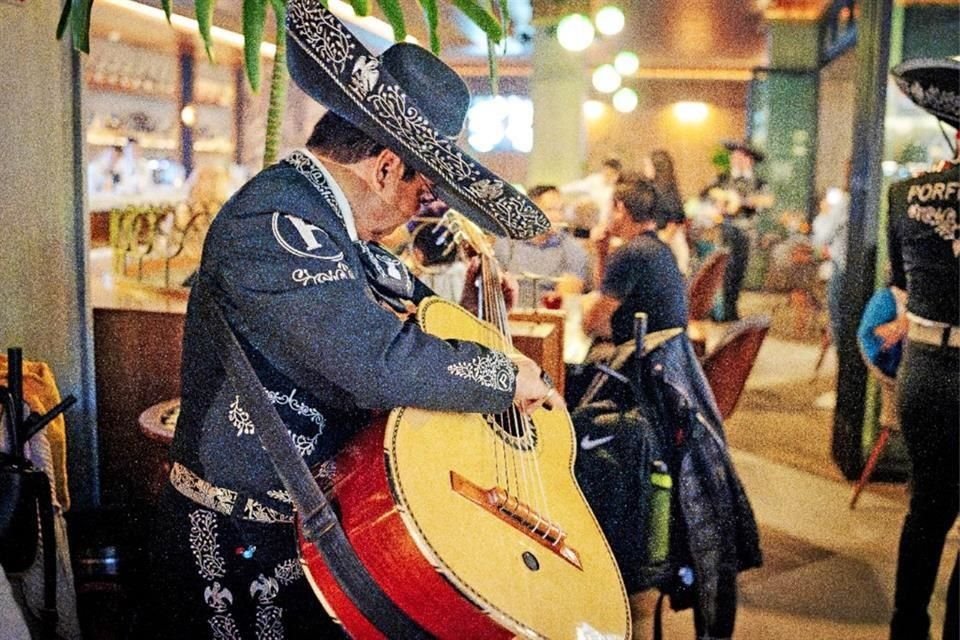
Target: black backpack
(625, 466)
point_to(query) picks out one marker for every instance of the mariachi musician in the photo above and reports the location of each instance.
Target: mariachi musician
(292, 261)
(740, 195)
(924, 236)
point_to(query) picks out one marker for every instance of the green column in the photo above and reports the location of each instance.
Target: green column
(558, 87)
(873, 48)
(791, 91)
(784, 124)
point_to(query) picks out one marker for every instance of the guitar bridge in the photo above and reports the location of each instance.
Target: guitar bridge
(518, 515)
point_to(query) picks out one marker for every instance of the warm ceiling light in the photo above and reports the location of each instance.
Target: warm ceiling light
(606, 79)
(626, 63)
(188, 115)
(593, 109)
(625, 100)
(575, 32)
(609, 20)
(690, 112)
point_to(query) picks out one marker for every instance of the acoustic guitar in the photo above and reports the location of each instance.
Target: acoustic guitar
(473, 524)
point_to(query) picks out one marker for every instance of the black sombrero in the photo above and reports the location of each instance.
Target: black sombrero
(933, 85)
(749, 149)
(410, 101)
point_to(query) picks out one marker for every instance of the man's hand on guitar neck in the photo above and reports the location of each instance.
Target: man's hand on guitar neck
(469, 299)
(533, 388)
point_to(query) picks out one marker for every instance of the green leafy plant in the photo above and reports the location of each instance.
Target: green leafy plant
(493, 21)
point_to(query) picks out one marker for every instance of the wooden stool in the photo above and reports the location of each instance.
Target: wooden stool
(889, 421)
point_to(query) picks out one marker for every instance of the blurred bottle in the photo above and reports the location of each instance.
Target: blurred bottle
(658, 538)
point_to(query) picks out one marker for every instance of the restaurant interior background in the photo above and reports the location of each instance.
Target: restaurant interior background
(788, 75)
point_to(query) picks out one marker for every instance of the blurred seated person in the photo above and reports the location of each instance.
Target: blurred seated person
(104, 171)
(552, 260)
(639, 275)
(436, 260)
(584, 215)
(597, 186)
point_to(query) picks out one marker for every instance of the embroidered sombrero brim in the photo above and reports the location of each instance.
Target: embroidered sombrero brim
(335, 69)
(933, 85)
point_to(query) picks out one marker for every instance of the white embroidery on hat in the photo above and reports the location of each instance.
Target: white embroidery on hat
(366, 73)
(322, 37)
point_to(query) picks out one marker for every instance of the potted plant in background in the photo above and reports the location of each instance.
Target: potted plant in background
(493, 21)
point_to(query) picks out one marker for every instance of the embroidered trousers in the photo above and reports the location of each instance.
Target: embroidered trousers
(222, 577)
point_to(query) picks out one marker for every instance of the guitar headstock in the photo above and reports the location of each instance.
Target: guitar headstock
(467, 232)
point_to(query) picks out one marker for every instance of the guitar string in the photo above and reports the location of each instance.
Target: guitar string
(523, 426)
(483, 310)
(491, 280)
(540, 500)
(489, 315)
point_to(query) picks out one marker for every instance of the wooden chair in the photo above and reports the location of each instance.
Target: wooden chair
(539, 335)
(728, 365)
(705, 283)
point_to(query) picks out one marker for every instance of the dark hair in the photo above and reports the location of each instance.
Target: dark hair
(434, 240)
(540, 189)
(336, 138)
(613, 163)
(638, 195)
(663, 172)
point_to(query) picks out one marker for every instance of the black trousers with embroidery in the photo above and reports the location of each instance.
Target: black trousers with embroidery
(928, 388)
(222, 577)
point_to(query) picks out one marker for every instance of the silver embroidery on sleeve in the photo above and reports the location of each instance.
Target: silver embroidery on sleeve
(240, 418)
(493, 370)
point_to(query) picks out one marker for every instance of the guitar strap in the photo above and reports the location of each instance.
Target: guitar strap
(318, 522)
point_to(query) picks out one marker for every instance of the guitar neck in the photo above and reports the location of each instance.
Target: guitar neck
(492, 306)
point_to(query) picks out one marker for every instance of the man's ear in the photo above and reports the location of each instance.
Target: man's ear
(387, 163)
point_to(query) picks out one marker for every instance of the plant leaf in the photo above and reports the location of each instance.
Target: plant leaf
(204, 10)
(254, 17)
(431, 15)
(480, 17)
(167, 8)
(394, 14)
(80, 24)
(278, 88)
(492, 65)
(360, 7)
(504, 21)
(64, 19)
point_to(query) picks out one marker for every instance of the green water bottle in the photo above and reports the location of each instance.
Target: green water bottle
(658, 539)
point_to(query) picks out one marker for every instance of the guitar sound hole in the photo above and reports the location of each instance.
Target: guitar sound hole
(514, 428)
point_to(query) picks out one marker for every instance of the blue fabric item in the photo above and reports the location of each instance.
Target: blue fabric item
(881, 308)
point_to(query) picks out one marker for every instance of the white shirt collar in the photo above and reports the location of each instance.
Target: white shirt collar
(338, 194)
